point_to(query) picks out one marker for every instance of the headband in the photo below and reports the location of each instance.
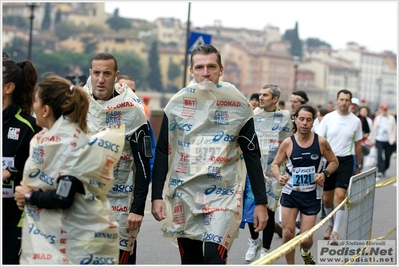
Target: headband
(300, 98)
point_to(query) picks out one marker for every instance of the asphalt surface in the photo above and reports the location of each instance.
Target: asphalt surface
(154, 249)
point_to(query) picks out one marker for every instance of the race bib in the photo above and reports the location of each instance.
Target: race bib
(303, 179)
(204, 153)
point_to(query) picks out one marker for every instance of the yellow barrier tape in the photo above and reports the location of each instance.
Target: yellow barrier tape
(293, 243)
(299, 239)
(386, 182)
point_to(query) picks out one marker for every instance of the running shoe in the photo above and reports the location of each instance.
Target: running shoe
(253, 250)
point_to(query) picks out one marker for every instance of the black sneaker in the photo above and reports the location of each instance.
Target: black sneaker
(307, 258)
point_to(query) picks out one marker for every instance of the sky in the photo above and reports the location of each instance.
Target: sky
(372, 24)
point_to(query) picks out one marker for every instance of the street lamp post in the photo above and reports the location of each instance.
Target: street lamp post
(346, 73)
(379, 83)
(295, 60)
(32, 6)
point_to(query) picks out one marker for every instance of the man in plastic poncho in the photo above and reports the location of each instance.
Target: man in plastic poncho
(207, 138)
(112, 103)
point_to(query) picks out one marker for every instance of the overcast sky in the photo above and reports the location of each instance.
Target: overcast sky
(373, 24)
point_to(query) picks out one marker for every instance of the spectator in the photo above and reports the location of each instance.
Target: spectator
(254, 100)
(384, 138)
(281, 105)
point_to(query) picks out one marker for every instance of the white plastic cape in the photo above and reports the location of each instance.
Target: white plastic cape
(87, 232)
(204, 184)
(271, 128)
(124, 108)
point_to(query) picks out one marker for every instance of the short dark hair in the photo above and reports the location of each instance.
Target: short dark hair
(206, 49)
(105, 56)
(124, 77)
(305, 107)
(256, 96)
(346, 92)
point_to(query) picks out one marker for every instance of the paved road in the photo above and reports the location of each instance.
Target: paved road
(153, 248)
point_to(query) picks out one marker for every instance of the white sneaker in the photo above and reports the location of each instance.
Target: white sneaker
(253, 250)
(263, 253)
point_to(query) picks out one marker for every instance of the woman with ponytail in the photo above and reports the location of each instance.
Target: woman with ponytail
(19, 126)
(68, 218)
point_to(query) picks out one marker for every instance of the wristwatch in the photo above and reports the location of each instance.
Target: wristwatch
(28, 196)
(326, 173)
(13, 171)
(360, 166)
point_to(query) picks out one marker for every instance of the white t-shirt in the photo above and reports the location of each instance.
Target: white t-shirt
(341, 132)
(382, 130)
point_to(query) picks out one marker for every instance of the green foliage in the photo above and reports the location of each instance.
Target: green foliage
(315, 42)
(293, 37)
(96, 29)
(117, 23)
(154, 78)
(66, 29)
(46, 19)
(131, 64)
(174, 71)
(90, 44)
(17, 21)
(57, 17)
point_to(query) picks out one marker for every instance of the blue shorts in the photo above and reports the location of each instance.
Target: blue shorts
(305, 202)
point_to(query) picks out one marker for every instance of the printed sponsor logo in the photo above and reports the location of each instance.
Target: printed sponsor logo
(184, 144)
(281, 128)
(52, 139)
(37, 155)
(108, 145)
(219, 191)
(176, 194)
(181, 126)
(97, 182)
(190, 90)
(91, 259)
(41, 256)
(212, 238)
(105, 235)
(175, 182)
(223, 103)
(183, 163)
(34, 174)
(189, 107)
(122, 188)
(112, 118)
(214, 173)
(47, 179)
(123, 242)
(121, 105)
(92, 140)
(35, 231)
(208, 209)
(220, 159)
(178, 213)
(119, 208)
(13, 133)
(221, 117)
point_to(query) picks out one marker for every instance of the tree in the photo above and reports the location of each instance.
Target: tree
(131, 64)
(315, 42)
(293, 37)
(173, 72)
(116, 23)
(154, 78)
(46, 23)
(66, 29)
(57, 17)
(90, 44)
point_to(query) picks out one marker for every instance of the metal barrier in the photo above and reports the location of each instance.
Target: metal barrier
(359, 215)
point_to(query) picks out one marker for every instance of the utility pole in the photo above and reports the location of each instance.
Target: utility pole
(32, 6)
(186, 50)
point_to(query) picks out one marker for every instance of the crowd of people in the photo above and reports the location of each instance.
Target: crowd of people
(222, 161)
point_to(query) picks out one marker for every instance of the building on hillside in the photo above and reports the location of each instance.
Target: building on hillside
(375, 79)
(169, 30)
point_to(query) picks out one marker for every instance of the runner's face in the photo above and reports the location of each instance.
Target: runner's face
(206, 67)
(266, 100)
(295, 103)
(304, 121)
(103, 78)
(343, 103)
